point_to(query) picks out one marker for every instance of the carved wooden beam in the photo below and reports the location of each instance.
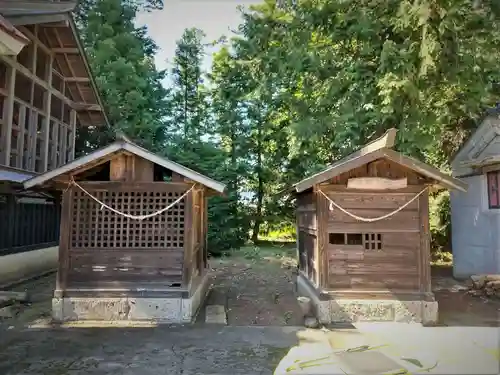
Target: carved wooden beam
(77, 79)
(86, 107)
(71, 51)
(385, 141)
(376, 183)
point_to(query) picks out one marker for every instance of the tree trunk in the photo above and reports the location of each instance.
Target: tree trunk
(260, 189)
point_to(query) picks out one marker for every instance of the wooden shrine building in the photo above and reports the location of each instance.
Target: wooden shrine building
(133, 236)
(47, 93)
(363, 236)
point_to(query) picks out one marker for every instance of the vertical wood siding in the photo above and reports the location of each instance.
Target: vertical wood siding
(27, 226)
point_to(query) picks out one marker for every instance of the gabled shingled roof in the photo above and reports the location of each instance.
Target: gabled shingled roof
(120, 146)
(381, 148)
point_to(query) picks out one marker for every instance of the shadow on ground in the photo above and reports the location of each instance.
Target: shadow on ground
(143, 351)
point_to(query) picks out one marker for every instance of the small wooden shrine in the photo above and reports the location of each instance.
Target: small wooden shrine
(133, 236)
(363, 236)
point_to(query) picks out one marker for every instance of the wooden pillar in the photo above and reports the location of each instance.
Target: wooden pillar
(55, 143)
(22, 133)
(424, 258)
(321, 240)
(72, 124)
(205, 230)
(188, 239)
(64, 241)
(320, 253)
(32, 140)
(8, 116)
(62, 142)
(47, 107)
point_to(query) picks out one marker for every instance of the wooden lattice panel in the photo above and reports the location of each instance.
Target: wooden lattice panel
(93, 227)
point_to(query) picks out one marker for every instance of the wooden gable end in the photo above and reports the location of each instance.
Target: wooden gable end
(484, 143)
(381, 168)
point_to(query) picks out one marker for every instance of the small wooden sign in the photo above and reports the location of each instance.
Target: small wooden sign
(376, 183)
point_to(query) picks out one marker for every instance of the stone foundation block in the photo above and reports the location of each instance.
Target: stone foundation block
(160, 310)
(360, 310)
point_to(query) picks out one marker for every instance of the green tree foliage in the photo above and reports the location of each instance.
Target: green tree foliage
(121, 58)
(326, 76)
(198, 140)
(302, 84)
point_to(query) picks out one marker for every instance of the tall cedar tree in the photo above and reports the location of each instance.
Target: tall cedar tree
(121, 58)
(191, 140)
(334, 74)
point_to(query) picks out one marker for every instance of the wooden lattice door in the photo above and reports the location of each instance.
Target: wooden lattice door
(106, 246)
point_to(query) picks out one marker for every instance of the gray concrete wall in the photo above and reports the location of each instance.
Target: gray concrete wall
(475, 227)
(22, 266)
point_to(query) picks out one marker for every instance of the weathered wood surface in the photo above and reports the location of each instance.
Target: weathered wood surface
(380, 168)
(391, 257)
(403, 221)
(373, 282)
(307, 245)
(368, 200)
(188, 239)
(424, 258)
(104, 247)
(376, 183)
(306, 211)
(126, 265)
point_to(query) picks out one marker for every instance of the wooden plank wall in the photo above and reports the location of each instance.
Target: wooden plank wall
(307, 229)
(383, 255)
(28, 224)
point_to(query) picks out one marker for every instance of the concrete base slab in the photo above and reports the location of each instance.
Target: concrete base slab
(8, 311)
(215, 314)
(362, 310)
(159, 310)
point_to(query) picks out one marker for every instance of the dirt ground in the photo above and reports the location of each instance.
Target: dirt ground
(457, 307)
(257, 288)
(256, 285)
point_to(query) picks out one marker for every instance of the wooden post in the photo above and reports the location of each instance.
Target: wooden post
(72, 124)
(205, 230)
(8, 116)
(425, 251)
(55, 143)
(47, 108)
(32, 140)
(64, 241)
(22, 133)
(188, 239)
(321, 240)
(63, 143)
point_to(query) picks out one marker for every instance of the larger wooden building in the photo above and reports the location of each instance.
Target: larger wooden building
(47, 93)
(363, 236)
(475, 214)
(133, 236)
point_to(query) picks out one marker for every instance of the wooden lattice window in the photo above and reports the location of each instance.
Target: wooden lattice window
(373, 241)
(96, 228)
(370, 241)
(345, 238)
(493, 189)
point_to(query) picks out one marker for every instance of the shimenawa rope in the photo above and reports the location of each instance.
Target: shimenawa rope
(134, 217)
(371, 219)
